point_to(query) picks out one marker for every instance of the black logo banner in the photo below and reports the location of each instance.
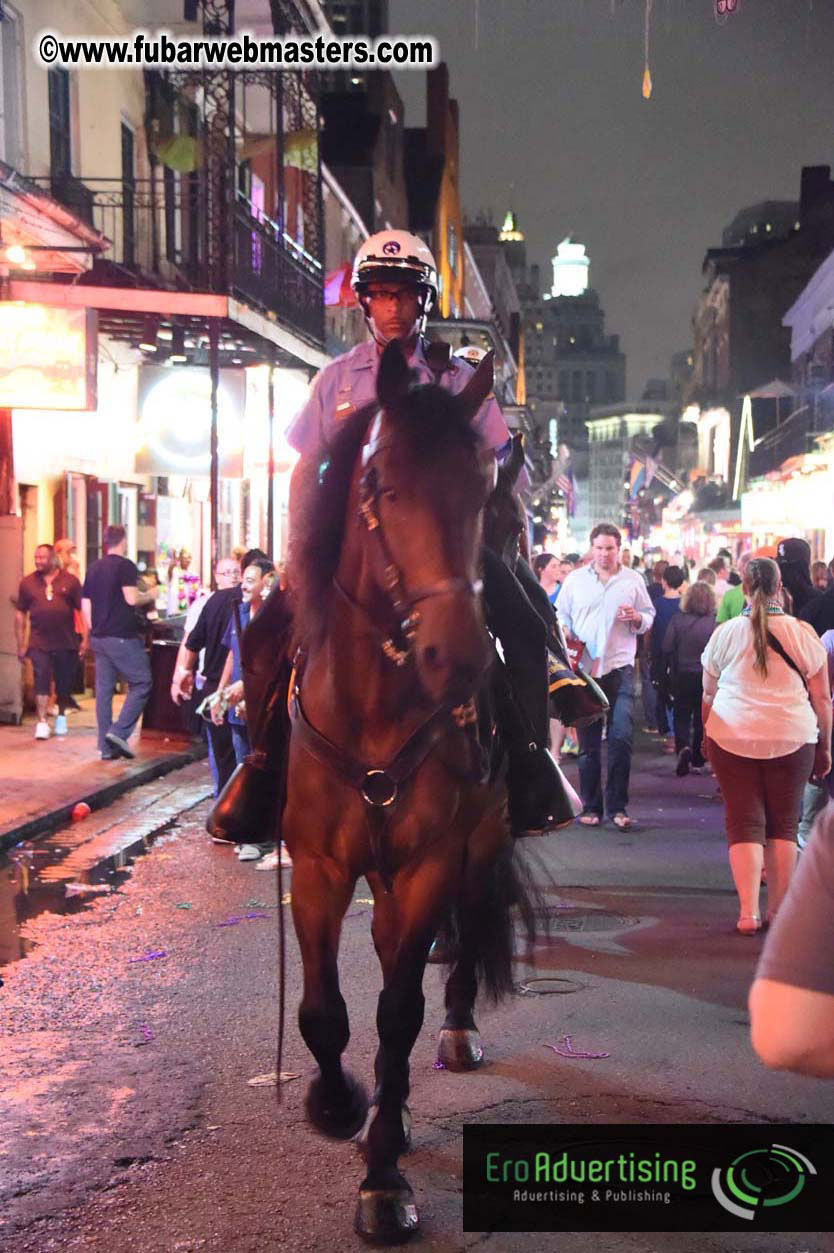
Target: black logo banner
(648, 1177)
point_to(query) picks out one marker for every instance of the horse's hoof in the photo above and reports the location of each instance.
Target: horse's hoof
(339, 1120)
(362, 1138)
(460, 1049)
(386, 1215)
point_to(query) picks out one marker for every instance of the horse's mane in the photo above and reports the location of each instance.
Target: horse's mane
(320, 504)
(428, 423)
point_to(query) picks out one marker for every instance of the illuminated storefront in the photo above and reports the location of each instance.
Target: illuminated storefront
(699, 536)
(140, 457)
(796, 500)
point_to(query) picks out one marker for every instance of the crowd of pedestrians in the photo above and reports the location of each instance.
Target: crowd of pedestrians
(733, 662)
(736, 665)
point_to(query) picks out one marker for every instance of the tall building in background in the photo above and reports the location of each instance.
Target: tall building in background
(353, 17)
(432, 163)
(571, 364)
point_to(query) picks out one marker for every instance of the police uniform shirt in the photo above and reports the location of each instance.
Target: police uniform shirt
(349, 383)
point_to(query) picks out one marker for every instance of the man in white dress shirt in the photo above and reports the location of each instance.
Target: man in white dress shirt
(606, 606)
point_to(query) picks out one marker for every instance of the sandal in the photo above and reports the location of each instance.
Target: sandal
(622, 821)
(749, 924)
(589, 820)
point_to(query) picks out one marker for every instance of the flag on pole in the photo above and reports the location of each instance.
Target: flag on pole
(636, 477)
(337, 288)
(565, 484)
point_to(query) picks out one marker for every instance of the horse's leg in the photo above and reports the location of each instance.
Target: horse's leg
(485, 937)
(336, 1103)
(403, 928)
(459, 1045)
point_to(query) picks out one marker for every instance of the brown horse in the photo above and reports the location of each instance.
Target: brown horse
(385, 777)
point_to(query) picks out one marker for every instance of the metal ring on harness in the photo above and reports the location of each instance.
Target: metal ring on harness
(375, 792)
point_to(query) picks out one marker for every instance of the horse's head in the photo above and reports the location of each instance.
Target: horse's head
(423, 484)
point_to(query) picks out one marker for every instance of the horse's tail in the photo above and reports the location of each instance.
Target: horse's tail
(509, 906)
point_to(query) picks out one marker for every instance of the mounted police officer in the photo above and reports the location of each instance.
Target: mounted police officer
(395, 279)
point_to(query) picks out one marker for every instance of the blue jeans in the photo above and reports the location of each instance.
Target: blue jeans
(119, 659)
(619, 688)
(240, 739)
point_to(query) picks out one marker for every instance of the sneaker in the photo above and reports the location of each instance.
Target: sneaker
(684, 761)
(42, 731)
(248, 852)
(60, 725)
(118, 745)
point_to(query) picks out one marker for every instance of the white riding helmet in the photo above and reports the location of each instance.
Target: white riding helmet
(392, 255)
(471, 354)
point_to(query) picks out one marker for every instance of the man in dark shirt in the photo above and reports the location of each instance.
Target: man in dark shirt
(819, 611)
(50, 598)
(666, 606)
(207, 635)
(109, 600)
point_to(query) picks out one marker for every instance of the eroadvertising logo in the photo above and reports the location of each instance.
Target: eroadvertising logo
(762, 1177)
(391, 248)
(647, 1177)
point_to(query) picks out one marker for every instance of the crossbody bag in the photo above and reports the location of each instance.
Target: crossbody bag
(786, 657)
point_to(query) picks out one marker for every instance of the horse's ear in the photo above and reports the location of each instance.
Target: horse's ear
(478, 388)
(393, 376)
(511, 468)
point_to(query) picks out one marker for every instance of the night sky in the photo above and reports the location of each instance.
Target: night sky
(552, 118)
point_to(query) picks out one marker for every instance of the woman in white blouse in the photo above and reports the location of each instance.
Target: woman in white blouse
(767, 720)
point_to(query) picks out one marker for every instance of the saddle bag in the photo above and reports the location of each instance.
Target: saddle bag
(575, 698)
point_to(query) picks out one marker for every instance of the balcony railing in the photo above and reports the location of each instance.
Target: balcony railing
(271, 270)
(795, 436)
(157, 229)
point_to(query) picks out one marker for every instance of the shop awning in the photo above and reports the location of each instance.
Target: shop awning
(54, 240)
(122, 311)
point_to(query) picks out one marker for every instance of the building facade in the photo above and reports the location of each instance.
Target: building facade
(196, 296)
(740, 341)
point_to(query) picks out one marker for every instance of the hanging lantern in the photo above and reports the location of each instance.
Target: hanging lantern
(647, 83)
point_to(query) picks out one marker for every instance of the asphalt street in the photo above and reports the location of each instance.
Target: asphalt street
(133, 1028)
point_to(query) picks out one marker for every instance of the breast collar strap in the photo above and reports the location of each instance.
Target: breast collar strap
(378, 785)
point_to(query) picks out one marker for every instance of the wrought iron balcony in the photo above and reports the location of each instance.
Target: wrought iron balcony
(157, 232)
(795, 436)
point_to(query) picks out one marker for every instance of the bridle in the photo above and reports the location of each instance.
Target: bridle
(402, 601)
(379, 783)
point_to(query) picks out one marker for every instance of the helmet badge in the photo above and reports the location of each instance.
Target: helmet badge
(391, 248)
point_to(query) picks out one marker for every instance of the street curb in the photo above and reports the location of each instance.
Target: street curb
(45, 824)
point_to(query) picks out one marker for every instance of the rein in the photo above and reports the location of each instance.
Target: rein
(378, 785)
(402, 602)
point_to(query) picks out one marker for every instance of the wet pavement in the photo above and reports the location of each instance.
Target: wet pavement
(60, 872)
(132, 1031)
(41, 781)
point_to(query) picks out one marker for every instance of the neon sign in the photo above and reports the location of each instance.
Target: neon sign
(48, 357)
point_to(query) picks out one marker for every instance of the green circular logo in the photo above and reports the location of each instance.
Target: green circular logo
(762, 1178)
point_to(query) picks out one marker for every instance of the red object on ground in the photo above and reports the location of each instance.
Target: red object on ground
(80, 811)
